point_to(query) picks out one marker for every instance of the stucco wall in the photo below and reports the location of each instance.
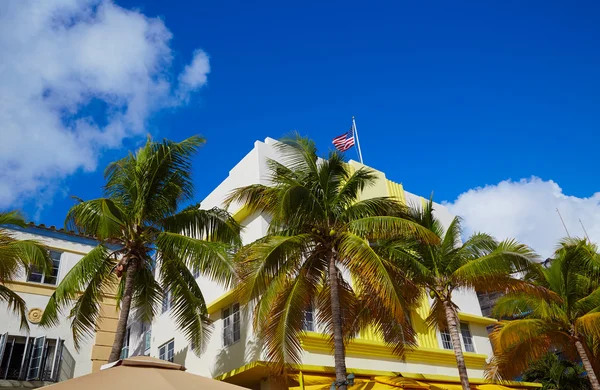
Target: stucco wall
(217, 359)
(72, 252)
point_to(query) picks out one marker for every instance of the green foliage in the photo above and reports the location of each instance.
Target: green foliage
(142, 219)
(17, 256)
(557, 374)
(316, 215)
(444, 265)
(568, 311)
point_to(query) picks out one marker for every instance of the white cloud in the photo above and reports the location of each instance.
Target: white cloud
(526, 210)
(58, 57)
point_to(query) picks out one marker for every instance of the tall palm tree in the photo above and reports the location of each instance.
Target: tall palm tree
(568, 319)
(317, 253)
(444, 266)
(15, 257)
(555, 373)
(141, 228)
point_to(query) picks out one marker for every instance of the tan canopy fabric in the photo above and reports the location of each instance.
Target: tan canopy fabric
(142, 372)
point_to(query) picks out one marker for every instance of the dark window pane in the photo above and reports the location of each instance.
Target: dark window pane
(34, 277)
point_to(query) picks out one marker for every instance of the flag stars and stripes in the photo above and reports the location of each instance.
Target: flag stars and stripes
(345, 141)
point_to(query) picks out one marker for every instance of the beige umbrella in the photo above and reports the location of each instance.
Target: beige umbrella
(142, 372)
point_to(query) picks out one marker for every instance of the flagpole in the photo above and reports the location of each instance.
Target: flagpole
(357, 141)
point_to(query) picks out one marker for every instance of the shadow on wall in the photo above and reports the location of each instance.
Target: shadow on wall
(180, 356)
(247, 350)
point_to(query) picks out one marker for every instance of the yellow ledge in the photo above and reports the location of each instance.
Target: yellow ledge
(31, 288)
(222, 302)
(472, 318)
(317, 342)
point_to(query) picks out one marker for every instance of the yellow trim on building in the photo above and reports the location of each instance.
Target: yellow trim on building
(105, 328)
(241, 214)
(317, 342)
(396, 190)
(31, 288)
(426, 336)
(475, 319)
(222, 302)
(258, 370)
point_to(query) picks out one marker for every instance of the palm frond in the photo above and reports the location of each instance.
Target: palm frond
(15, 303)
(213, 225)
(517, 343)
(373, 207)
(377, 277)
(508, 258)
(589, 324)
(93, 269)
(100, 218)
(256, 198)
(281, 330)
(212, 259)
(188, 305)
(266, 259)
(384, 227)
(12, 218)
(147, 295)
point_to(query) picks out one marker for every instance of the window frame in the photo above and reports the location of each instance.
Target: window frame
(460, 336)
(464, 326)
(43, 276)
(309, 325)
(166, 350)
(231, 317)
(167, 302)
(126, 342)
(147, 338)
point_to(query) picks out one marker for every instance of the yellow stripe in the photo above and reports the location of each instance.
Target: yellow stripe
(316, 342)
(472, 318)
(396, 190)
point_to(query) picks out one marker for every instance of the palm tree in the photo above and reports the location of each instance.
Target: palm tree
(568, 319)
(441, 267)
(141, 228)
(555, 373)
(16, 256)
(317, 254)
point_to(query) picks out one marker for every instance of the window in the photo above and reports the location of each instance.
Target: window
(167, 351)
(125, 349)
(167, 302)
(36, 276)
(446, 339)
(29, 358)
(37, 355)
(147, 337)
(196, 273)
(467, 338)
(231, 324)
(308, 323)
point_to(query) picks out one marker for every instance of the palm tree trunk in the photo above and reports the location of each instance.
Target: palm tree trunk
(587, 364)
(460, 359)
(115, 352)
(339, 353)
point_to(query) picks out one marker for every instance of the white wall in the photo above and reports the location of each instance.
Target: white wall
(10, 323)
(216, 360)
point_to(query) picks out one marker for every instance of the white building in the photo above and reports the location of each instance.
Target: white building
(43, 355)
(233, 353)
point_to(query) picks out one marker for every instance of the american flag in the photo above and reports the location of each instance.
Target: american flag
(345, 141)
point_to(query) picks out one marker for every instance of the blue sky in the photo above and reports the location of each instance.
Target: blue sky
(448, 96)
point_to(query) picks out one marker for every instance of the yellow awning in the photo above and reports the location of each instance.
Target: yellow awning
(444, 386)
(323, 382)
